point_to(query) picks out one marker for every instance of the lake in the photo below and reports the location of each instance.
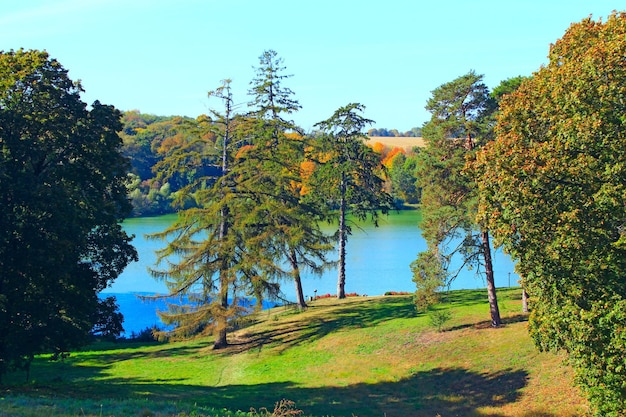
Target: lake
(377, 260)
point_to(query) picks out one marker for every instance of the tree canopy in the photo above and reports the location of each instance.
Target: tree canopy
(349, 175)
(248, 221)
(63, 193)
(552, 189)
(460, 123)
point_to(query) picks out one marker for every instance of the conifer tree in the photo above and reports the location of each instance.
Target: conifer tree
(213, 268)
(287, 230)
(461, 122)
(348, 177)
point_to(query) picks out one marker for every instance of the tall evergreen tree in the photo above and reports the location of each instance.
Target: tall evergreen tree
(349, 176)
(461, 122)
(214, 266)
(288, 230)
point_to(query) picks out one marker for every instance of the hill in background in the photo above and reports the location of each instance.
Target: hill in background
(405, 142)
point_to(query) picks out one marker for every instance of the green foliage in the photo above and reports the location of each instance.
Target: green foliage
(461, 121)
(348, 176)
(286, 232)
(108, 323)
(507, 86)
(147, 139)
(438, 318)
(430, 279)
(552, 190)
(63, 194)
(416, 132)
(402, 174)
(212, 261)
(244, 175)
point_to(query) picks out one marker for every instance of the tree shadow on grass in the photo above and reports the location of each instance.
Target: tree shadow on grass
(369, 313)
(128, 351)
(447, 392)
(486, 324)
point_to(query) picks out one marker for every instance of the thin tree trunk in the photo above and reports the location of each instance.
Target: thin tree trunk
(295, 272)
(221, 320)
(341, 280)
(491, 286)
(524, 301)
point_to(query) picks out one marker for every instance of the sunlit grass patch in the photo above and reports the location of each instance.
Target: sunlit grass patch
(367, 356)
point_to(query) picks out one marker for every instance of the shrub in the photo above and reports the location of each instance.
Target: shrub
(438, 318)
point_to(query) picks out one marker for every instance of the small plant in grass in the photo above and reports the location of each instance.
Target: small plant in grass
(439, 318)
(283, 408)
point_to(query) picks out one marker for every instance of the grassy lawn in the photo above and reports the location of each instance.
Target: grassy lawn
(363, 356)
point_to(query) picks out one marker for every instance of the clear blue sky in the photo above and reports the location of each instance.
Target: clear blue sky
(162, 57)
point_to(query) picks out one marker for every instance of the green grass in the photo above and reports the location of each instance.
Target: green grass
(363, 356)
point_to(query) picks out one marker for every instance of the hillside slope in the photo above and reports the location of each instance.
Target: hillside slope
(362, 356)
(406, 143)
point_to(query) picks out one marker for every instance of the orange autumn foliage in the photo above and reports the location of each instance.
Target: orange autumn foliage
(388, 159)
(379, 148)
(306, 170)
(244, 150)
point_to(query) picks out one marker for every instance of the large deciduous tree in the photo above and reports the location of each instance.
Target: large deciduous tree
(348, 176)
(460, 123)
(63, 194)
(552, 188)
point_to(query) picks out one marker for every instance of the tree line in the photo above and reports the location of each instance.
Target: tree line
(535, 166)
(415, 132)
(148, 138)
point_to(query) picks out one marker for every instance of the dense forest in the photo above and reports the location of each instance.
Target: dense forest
(147, 139)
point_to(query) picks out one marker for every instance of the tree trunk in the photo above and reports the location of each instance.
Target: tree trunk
(491, 286)
(295, 272)
(222, 322)
(524, 301)
(341, 280)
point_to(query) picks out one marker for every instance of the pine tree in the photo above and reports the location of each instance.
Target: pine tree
(461, 122)
(287, 230)
(348, 177)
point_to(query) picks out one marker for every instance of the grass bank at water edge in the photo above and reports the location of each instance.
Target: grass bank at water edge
(362, 356)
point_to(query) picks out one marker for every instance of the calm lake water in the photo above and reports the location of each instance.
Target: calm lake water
(378, 260)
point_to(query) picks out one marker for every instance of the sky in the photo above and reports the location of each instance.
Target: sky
(162, 57)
